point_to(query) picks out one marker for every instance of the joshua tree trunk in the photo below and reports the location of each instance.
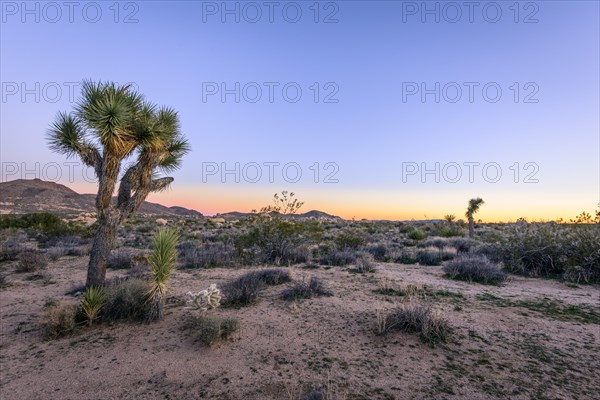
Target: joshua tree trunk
(103, 243)
(471, 228)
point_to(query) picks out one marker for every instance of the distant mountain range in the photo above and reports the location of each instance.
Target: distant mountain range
(27, 196)
(34, 195)
(313, 214)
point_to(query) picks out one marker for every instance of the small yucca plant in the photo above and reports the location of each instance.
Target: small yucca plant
(92, 302)
(162, 261)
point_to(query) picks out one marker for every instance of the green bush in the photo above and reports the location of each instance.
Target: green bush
(277, 240)
(352, 239)
(416, 234)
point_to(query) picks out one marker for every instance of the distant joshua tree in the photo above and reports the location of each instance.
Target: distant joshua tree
(109, 124)
(473, 207)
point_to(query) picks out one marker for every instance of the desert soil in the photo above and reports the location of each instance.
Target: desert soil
(282, 349)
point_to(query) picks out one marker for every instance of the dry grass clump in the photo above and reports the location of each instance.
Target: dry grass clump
(474, 268)
(245, 289)
(415, 316)
(126, 300)
(58, 319)
(315, 287)
(364, 263)
(338, 258)
(32, 261)
(212, 330)
(432, 257)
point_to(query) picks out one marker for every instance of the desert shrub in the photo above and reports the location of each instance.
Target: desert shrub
(350, 239)
(549, 249)
(140, 269)
(462, 245)
(245, 289)
(242, 291)
(379, 251)
(276, 240)
(206, 255)
(428, 257)
(416, 234)
(10, 248)
(338, 258)
(121, 259)
(405, 257)
(55, 253)
(450, 231)
(272, 276)
(474, 268)
(415, 316)
(32, 261)
(58, 319)
(211, 330)
(315, 287)
(364, 263)
(437, 242)
(126, 300)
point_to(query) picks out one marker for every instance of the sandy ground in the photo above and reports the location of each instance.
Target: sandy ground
(283, 348)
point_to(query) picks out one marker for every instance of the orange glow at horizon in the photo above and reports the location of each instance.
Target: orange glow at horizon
(376, 204)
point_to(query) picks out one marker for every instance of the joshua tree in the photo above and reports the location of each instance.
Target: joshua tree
(473, 207)
(109, 124)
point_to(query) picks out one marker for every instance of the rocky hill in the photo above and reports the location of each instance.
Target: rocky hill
(26, 196)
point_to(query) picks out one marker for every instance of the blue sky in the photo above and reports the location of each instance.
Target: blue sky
(367, 61)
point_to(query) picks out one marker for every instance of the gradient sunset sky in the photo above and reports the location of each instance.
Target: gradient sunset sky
(364, 126)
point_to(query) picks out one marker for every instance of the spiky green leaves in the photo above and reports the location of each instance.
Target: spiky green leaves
(162, 262)
(65, 134)
(92, 302)
(120, 120)
(473, 207)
